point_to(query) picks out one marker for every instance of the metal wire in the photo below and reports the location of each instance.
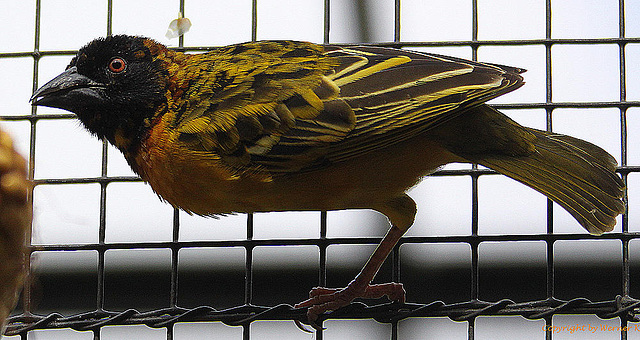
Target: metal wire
(622, 306)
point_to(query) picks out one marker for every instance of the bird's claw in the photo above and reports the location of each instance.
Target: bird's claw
(322, 299)
(301, 326)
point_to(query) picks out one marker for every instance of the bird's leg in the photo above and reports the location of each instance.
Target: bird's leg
(327, 299)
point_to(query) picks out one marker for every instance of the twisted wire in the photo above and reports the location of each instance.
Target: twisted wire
(624, 307)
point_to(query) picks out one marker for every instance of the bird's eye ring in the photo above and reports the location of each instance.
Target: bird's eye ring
(117, 65)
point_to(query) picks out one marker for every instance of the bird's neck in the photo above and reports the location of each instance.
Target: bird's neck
(173, 64)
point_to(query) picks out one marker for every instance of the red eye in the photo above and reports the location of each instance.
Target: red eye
(117, 65)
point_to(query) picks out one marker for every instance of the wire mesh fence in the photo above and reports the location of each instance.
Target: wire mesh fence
(172, 293)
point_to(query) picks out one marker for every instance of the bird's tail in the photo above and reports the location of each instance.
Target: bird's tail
(576, 174)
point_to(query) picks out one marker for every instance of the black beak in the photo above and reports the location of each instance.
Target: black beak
(67, 90)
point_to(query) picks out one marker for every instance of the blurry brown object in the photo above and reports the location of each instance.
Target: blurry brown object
(15, 219)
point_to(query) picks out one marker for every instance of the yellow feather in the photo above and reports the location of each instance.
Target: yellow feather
(196, 125)
(418, 82)
(312, 99)
(391, 62)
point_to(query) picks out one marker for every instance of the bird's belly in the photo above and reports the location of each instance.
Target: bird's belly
(361, 182)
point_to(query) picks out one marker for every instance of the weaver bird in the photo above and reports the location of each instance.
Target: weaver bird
(285, 125)
(15, 220)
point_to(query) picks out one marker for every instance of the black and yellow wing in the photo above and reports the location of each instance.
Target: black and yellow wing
(247, 99)
(283, 107)
(396, 94)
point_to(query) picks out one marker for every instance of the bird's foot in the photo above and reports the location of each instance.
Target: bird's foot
(322, 300)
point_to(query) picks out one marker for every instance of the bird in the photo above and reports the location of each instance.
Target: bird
(15, 223)
(296, 126)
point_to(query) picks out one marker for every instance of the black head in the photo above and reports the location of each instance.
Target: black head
(113, 84)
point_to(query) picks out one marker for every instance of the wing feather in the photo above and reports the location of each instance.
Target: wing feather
(279, 107)
(406, 99)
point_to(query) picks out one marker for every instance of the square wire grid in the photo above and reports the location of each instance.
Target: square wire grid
(619, 306)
